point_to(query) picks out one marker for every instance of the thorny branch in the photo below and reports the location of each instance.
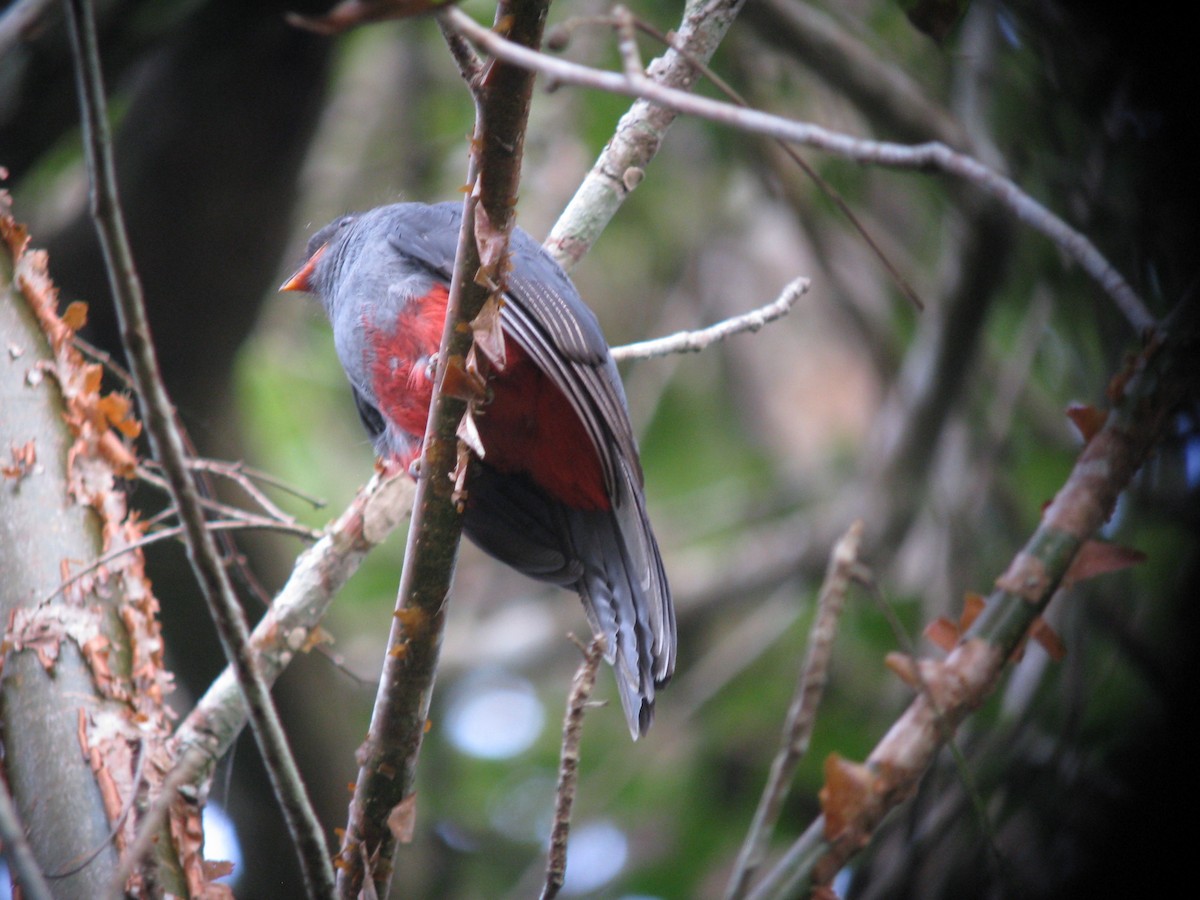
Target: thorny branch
(857, 796)
(383, 807)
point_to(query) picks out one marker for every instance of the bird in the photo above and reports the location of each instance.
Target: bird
(558, 491)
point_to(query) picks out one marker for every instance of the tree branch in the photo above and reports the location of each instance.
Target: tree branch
(920, 157)
(695, 341)
(168, 449)
(802, 714)
(568, 765)
(857, 797)
(639, 133)
(383, 795)
(290, 626)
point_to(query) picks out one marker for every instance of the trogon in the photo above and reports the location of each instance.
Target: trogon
(557, 492)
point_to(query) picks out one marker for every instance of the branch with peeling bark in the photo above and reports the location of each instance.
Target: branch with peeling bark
(168, 447)
(856, 797)
(290, 626)
(639, 133)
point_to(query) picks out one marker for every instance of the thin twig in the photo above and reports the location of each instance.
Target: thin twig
(802, 714)
(919, 157)
(275, 517)
(245, 522)
(695, 341)
(22, 866)
(168, 448)
(831, 194)
(568, 765)
(105, 359)
(19, 21)
(244, 477)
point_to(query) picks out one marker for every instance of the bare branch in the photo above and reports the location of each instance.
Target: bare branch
(695, 341)
(568, 765)
(168, 447)
(919, 157)
(802, 714)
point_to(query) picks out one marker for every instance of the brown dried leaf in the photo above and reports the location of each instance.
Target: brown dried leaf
(489, 336)
(316, 638)
(905, 667)
(844, 798)
(1100, 558)
(461, 383)
(118, 412)
(973, 605)
(402, 820)
(75, 315)
(462, 466)
(1087, 419)
(942, 633)
(493, 244)
(217, 868)
(468, 432)
(1048, 638)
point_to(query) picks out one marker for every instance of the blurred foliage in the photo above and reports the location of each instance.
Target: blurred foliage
(767, 439)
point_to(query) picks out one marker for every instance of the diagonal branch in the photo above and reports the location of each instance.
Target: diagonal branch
(857, 797)
(168, 448)
(695, 341)
(801, 715)
(639, 133)
(383, 804)
(290, 626)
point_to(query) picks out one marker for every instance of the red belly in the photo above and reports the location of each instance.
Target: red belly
(528, 427)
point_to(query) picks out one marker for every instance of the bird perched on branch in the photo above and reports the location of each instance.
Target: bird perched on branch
(556, 492)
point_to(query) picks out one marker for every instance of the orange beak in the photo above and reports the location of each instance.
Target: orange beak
(301, 279)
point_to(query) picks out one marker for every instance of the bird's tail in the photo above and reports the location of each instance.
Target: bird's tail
(627, 601)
